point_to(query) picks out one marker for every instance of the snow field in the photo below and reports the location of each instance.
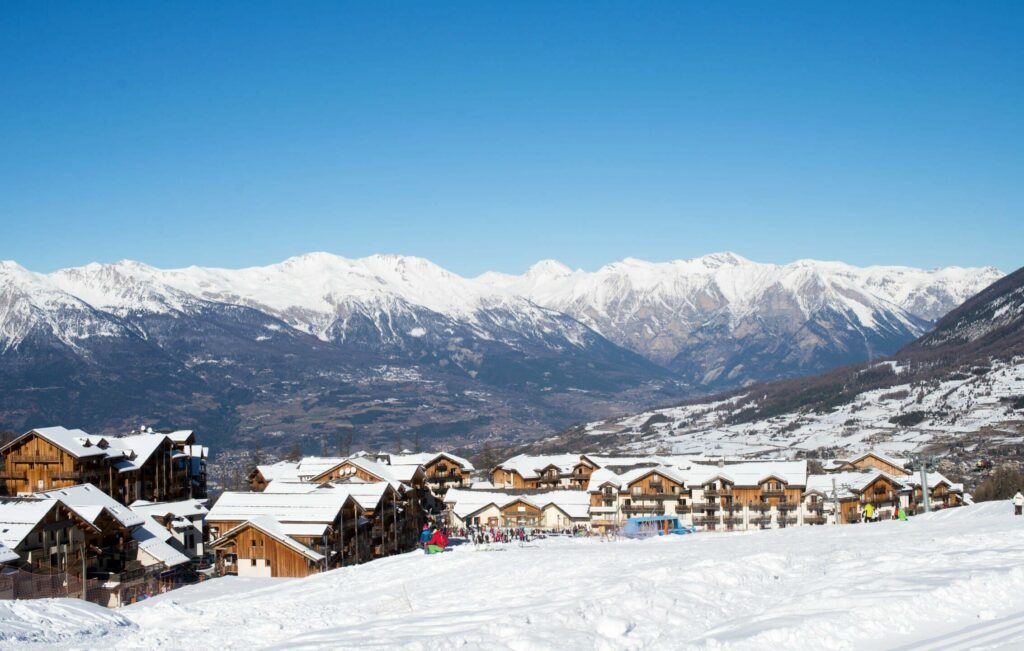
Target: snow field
(884, 585)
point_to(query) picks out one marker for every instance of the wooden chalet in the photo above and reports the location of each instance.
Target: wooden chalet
(148, 466)
(870, 461)
(261, 547)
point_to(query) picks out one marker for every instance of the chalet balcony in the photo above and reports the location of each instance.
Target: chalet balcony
(761, 507)
(734, 520)
(788, 521)
(787, 506)
(69, 475)
(654, 496)
(773, 493)
(715, 492)
(814, 519)
(16, 476)
(707, 506)
(643, 510)
(704, 520)
(36, 458)
(879, 497)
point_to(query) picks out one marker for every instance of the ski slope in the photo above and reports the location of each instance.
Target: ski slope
(949, 580)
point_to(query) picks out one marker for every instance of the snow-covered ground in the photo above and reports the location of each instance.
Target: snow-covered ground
(949, 580)
(955, 407)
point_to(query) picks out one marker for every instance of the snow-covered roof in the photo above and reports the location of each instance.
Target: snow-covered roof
(282, 470)
(750, 473)
(273, 528)
(153, 538)
(318, 506)
(73, 441)
(181, 435)
(180, 509)
(137, 449)
(8, 555)
(464, 503)
(90, 501)
(848, 484)
(530, 466)
(19, 516)
(892, 461)
(426, 458)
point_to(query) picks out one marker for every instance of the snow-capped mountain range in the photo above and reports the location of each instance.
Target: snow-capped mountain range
(651, 308)
(587, 338)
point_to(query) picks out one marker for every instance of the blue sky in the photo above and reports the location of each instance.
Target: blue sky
(491, 135)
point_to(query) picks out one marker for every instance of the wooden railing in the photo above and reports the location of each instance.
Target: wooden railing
(36, 458)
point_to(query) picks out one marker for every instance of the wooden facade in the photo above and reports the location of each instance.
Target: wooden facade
(521, 513)
(444, 472)
(247, 550)
(32, 463)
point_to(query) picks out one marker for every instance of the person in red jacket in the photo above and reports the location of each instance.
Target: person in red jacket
(437, 542)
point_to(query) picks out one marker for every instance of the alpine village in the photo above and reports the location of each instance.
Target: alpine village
(116, 519)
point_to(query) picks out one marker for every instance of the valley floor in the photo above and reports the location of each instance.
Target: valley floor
(948, 580)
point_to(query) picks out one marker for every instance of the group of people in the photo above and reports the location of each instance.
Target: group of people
(433, 539)
(871, 514)
(487, 535)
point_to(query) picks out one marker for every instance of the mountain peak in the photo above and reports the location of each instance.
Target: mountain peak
(548, 269)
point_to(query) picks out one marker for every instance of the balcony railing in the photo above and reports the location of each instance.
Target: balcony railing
(814, 519)
(36, 458)
(707, 506)
(760, 506)
(652, 510)
(16, 476)
(72, 475)
(773, 493)
(715, 492)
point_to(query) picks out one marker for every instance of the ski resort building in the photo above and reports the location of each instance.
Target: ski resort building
(147, 465)
(892, 466)
(553, 510)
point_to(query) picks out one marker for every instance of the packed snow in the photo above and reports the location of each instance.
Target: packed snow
(951, 579)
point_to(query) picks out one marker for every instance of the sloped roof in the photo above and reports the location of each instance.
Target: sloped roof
(19, 516)
(529, 466)
(426, 458)
(848, 484)
(152, 538)
(8, 555)
(317, 506)
(73, 441)
(575, 504)
(88, 500)
(272, 528)
(181, 508)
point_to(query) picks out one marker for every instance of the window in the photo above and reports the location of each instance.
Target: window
(252, 543)
(252, 562)
(268, 563)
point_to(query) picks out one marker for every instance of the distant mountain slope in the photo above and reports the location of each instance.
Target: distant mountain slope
(958, 387)
(721, 321)
(992, 322)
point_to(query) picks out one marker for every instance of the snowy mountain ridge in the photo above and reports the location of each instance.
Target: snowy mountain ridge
(634, 303)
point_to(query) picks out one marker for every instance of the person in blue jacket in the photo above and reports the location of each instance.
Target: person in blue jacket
(425, 537)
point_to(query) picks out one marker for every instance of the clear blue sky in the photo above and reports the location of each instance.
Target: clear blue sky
(491, 135)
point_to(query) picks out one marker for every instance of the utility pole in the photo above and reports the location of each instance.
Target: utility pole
(924, 487)
(835, 501)
(83, 573)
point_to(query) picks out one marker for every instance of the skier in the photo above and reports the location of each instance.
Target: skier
(903, 514)
(1018, 503)
(869, 512)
